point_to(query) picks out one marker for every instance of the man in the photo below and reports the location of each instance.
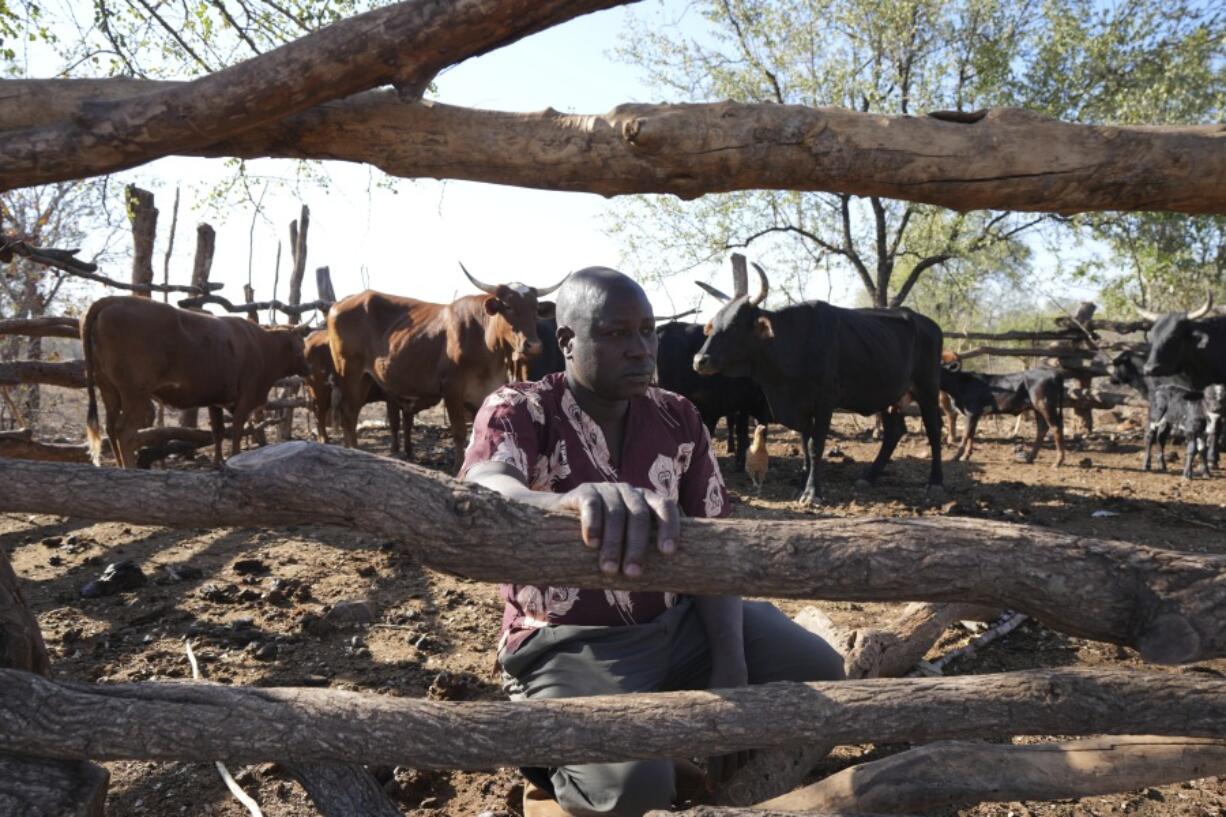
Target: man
(598, 440)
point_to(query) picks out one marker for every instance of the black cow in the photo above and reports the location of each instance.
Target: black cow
(736, 398)
(1128, 369)
(974, 395)
(1196, 414)
(550, 359)
(1189, 344)
(813, 358)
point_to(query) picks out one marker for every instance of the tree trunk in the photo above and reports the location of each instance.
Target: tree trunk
(1167, 604)
(952, 775)
(344, 791)
(144, 218)
(37, 787)
(1008, 160)
(323, 285)
(199, 722)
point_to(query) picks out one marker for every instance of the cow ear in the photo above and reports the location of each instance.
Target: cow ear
(493, 306)
(546, 309)
(764, 328)
(1201, 338)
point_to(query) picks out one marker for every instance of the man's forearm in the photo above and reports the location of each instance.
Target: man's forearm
(723, 618)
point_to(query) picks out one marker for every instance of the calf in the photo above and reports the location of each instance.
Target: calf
(1195, 414)
(974, 395)
(137, 349)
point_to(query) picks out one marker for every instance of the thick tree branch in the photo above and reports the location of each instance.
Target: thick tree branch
(398, 44)
(44, 327)
(849, 247)
(69, 373)
(1170, 605)
(1008, 160)
(226, 304)
(199, 722)
(913, 277)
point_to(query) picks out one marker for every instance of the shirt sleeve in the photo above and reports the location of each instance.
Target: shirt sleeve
(702, 485)
(504, 431)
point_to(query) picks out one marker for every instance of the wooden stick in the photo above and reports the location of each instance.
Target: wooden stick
(289, 309)
(955, 774)
(46, 327)
(197, 722)
(1167, 604)
(69, 373)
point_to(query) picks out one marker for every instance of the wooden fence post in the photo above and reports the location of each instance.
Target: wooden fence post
(298, 249)
(144, 218)
(206, 242)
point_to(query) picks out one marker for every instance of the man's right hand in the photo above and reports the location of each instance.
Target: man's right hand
(617, 518)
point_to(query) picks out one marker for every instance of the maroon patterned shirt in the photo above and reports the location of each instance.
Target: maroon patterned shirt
(540, 430)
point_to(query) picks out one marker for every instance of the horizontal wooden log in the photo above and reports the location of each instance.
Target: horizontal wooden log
(69, 373)
(742, 811)
(404, 43)
(200, 722)
(1019, 334)
(1008, 159)
(153, 443)
(1027, 351)
(287, 403)
(1169, 605)
(952, 774)
(46, 327)
(63, 260)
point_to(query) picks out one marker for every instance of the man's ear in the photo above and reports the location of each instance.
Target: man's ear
(1201, 338)
(565, 335)
(764, 328)
(493, 306)
(546, 309)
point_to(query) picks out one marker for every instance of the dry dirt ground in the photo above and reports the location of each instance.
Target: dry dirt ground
(249, 610)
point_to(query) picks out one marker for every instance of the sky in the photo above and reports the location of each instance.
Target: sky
(410, 240)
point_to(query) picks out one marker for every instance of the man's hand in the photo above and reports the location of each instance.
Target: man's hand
(617, 518)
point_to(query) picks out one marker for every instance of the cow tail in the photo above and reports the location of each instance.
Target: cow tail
(91, 422)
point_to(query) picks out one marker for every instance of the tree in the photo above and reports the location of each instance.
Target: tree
(55, 215)
(900, 58)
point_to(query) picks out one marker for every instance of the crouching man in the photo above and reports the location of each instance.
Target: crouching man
(600, 441)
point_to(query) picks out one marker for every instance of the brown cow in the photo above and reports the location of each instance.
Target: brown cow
(137, 349)
(421, 353)
(320, 383)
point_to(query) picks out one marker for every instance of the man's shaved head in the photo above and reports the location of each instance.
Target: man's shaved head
(586, 290)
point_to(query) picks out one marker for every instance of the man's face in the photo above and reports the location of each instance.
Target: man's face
(613, 353)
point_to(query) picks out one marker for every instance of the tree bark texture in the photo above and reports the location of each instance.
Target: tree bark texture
(1008, 160)
(405, 44)
(37, 787)
(45, 327)
(1169, 605)
(68, 373)
(344, 790)
(144, 218)
(153, 444)
(953, 774)
(323, 285)
(199, 722)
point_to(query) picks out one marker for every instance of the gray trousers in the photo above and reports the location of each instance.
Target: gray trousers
(667, 654)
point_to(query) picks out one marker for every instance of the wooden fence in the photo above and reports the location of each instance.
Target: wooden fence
(1168, 605)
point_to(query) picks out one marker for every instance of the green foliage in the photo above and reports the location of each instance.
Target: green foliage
(1141, 60)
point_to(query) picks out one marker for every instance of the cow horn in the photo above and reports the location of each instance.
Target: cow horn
(1204, 309)
(766, 287)
(540, 293)
(713, 292)
(1145, 313)
(487, 288)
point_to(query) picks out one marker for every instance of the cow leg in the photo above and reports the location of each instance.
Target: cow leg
(1190, 458)
(968, 439)
(947, 406)
(1040, 432)
(1164, 434)
(742, 438)
(1150, 433)
(134, 414)
(409, 416)
(393, 424)
(352, 395)
(893, 427)
(113, 406)
(814, 445)
(930, 413)
(217, 422)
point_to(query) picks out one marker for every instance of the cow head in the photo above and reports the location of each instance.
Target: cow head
(1214, 399)
(736, 334)
(290, 343)
(1173, 337)
(520, 306)
(951, 361)
(1125, 368)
